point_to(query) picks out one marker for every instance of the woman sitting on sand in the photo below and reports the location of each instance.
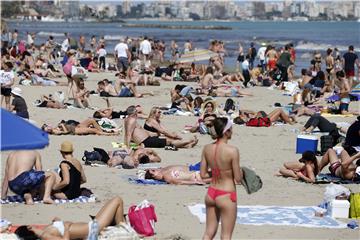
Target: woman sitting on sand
(89, 126)
(176, 174)
(208, 114)
(112, 213)
(221, 198)
(153, 125)
(305, 169)
(71, 174)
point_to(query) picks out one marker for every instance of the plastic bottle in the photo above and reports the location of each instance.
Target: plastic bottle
(94, 230)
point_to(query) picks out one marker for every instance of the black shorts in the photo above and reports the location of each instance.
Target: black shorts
(240, 58)
(154, 142)
(6, 91)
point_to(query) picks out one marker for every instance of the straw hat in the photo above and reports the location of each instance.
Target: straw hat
(67, 147)
(16, 91)
(209, 100)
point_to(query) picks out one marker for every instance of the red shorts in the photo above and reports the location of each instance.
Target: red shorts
(272, 64)
(350, 73)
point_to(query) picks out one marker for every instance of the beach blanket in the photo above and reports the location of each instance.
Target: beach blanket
(145, 181)
(20, 199)
(275, 215)
(328, 178)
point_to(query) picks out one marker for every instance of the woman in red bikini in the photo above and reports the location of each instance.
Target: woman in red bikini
(305, 169)
(223, 160)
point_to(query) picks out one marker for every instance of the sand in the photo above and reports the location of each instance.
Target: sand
(264, 149)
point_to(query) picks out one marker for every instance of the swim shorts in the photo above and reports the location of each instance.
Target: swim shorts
(344, 107)
(350, 73)
(6, 91)
(125, 92)
(154, 142)
(27, 181)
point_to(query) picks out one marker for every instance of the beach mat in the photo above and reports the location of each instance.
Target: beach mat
(337, 115)
(145, 181)
(20, 199)
(324, 178)
(275, 215)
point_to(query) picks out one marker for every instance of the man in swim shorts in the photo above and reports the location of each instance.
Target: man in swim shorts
(21, 177)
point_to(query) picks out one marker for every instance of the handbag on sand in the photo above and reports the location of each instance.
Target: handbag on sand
(142, 218)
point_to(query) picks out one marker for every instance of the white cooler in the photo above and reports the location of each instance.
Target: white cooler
(339, 208)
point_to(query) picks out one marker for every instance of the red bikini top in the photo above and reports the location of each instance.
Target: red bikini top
(215, 172)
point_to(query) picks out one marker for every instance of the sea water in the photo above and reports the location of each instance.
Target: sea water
(306, 36)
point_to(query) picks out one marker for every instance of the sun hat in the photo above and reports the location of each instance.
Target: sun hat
(16, 91)
(67, 147)
(209, 100)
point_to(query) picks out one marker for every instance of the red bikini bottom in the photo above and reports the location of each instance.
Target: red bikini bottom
(213, 193)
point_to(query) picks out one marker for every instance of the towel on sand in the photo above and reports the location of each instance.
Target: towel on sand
(324, 178)
(276, 215)
(20, 199)
(145, 181)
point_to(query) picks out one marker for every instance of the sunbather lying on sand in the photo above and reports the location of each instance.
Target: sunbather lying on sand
(112, 213)
(344, 166)
(132, 158)
(305, 169)
(176, 174)
(89, 126)
(49, 102)
(111, 114)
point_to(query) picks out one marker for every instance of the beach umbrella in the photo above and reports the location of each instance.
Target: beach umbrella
(19, 134)
(196, 55)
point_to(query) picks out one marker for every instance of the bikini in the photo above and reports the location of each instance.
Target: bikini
(150, 129)
(213, 193)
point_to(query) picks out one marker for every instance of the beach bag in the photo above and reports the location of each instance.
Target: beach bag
(142, 218)
(259, 122)
(326, 142)
(355, 205)
(121, 231)
(90, 157)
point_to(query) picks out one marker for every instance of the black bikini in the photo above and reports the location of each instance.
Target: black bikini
(150, 129)
(72, 190)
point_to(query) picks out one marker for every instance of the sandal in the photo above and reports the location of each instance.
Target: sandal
(171, 147)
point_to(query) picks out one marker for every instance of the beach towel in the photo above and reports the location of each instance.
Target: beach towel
(300, 216)
(20, 199)
(324, 178)
(145, 181)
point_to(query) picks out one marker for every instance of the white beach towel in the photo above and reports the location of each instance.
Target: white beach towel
(275, 215)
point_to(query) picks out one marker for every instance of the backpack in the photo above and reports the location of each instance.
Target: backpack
(91, 157)
(326, 142)
(259, 122)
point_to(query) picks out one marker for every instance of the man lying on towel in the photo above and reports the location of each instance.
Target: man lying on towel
(24, 176)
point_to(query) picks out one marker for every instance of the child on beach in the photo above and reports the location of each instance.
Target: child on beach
(305, 169)
(102, 57)
(6, 80)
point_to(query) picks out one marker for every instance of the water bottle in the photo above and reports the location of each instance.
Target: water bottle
(94, 230)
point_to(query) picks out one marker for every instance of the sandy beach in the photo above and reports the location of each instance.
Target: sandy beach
(263, 149)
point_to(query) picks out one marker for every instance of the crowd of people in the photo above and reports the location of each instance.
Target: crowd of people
(141, 62)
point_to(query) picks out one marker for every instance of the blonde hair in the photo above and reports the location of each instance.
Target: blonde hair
(152, 112)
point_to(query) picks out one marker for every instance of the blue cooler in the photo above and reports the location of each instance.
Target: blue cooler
(306, 143)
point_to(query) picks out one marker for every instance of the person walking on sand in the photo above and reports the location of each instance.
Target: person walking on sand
(24, 175)
(224, 162)
(350, 59)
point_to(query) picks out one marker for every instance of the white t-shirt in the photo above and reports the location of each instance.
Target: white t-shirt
(261, 53)
(245, 65)
(145, 47)
(121, 48)
(30, 40)
(6, 77)
(102, 52)
(65, 45)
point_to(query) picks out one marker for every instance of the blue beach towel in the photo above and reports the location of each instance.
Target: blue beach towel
(275, 215)
(145, 181)
(324, 178)
(20, 199)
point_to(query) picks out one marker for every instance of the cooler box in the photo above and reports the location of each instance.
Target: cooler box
(306, 143)
(339, 208)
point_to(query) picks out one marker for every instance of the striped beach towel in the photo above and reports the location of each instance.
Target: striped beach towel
(20, 199)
